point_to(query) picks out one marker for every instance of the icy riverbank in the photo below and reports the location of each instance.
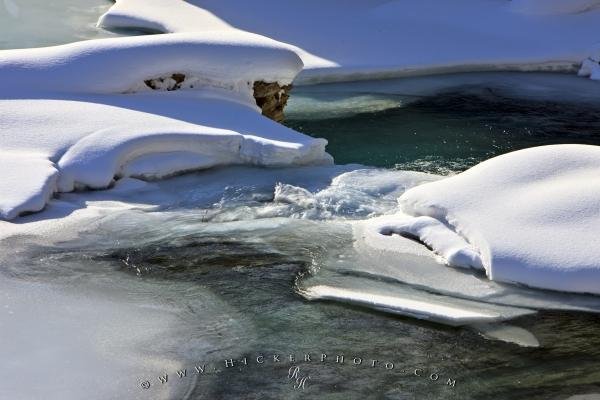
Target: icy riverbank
(351, 40)
(129, 129)
(529, 217)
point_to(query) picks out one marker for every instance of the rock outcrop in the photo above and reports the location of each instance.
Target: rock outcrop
(271, 98)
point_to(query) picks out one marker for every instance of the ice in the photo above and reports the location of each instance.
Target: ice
(398, 275)
(508, 333)
(340, 40)
(305, 105)
(407, 302)
(403, 260)
(230, 193)
(532, 216)
(360, 193)
(316, 214)
(56, 332)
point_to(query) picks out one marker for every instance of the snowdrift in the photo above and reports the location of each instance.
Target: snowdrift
(227, 59)
(80, 115)
(530, 217)
(350, 40)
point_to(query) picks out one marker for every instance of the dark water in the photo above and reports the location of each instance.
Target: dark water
(450, 131)
(254, 280)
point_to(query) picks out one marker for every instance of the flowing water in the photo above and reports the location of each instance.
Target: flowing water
(206, 272)
(447, 123)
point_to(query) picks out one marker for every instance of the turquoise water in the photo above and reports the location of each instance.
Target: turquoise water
(401, 124)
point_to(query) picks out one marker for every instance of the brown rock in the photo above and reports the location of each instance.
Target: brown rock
(271, 98)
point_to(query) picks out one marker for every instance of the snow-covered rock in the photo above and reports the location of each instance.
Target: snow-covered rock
(82, 114)
(224, 59)
(533, 217)
(351, 40)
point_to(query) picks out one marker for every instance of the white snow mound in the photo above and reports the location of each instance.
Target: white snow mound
(590, 67)
(348, 40)
(227, 59)
(70, 117)
(533, 217)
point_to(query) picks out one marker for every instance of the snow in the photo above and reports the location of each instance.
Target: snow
(27, 181)
(404, 261)
(129, 129)
(553, 7)
(533, 217)
(118, 65)
(590, 67)
(161, 16)
(351, 40)
(98, 335)
(438, 236)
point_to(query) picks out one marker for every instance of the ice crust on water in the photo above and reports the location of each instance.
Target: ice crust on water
(447, 310)
(70, 117)
(532, 216)
(258, 203)
(85, 320)
(365, 40)
(398, 275)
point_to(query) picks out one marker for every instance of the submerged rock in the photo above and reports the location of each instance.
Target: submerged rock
(272, 98)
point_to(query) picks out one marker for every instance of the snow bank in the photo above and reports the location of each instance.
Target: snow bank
(69, 117)
(226, 59)
(126, 135)
(342, 40)
(533, 216)
(590, 67)
(161, 16)
(552, 7)
(435, 234)
(27, 182)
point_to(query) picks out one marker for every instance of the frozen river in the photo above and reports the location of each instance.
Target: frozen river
(210, 272)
